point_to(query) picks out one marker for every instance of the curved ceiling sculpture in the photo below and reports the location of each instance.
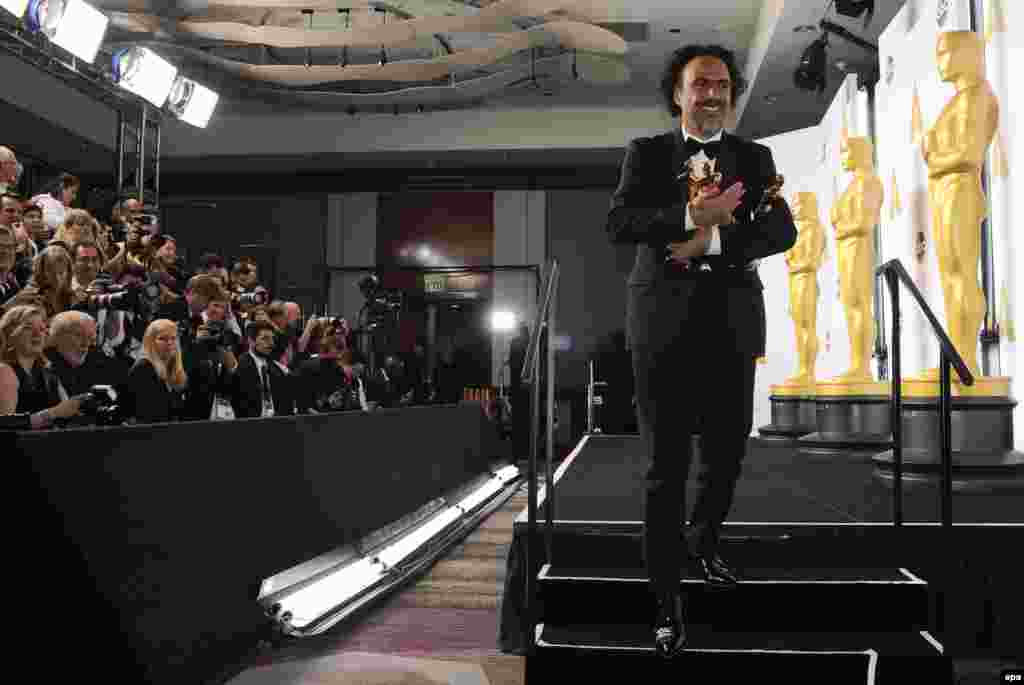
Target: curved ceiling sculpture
(345, 48)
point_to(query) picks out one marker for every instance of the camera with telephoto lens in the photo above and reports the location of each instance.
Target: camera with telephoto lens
(100, 404)
(217, 331)
(253, 299)
(103, 293)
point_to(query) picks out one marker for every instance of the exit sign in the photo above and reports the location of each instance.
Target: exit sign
(433, 283)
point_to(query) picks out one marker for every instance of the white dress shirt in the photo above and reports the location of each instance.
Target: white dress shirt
(268, 398)
(715, 244)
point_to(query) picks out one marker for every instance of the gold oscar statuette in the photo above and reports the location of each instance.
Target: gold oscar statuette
(854, 217)
(954, 150)
(803, 261)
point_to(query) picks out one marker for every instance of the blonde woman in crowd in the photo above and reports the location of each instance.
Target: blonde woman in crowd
(27, 385)
(154, 392)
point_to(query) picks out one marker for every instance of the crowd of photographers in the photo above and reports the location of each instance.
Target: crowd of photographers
(102, 324)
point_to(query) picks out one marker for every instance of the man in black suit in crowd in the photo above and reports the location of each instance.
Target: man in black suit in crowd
(695, 316)
(259, 386)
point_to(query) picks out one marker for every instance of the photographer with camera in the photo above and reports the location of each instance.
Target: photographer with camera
(209, 347)
(132, 252)
(31, 396)
(330, 380)
(246, 291)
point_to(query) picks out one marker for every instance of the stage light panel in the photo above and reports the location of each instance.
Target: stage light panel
(15, 7)
(74, 25)
(143, 72)
(192, 102)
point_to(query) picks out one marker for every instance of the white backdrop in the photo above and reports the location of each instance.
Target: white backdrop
(1003, 20)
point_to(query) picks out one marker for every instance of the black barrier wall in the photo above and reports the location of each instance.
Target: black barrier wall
(178, 523)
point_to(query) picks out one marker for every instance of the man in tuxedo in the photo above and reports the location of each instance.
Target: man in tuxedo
(260, 386)
(695, 316)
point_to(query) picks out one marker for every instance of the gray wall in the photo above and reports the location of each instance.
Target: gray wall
(289, 228)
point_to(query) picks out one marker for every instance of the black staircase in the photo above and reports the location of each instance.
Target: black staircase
(819, 619)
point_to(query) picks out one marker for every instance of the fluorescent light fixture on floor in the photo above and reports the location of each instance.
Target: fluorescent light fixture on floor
(74, 25)
(507, 473)
(141, 71)
(394, 554)
(15, 7)
(323, 596)
(481, 495)
(192, 102)
(316, 599)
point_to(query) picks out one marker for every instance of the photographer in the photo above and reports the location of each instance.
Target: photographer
(50, 285)
(71, 354)
(133, 252)
(260, 387)
(154, 391)
(9, 284)
(27, 384)
(246, 292)
(209, 346)
(329, 381)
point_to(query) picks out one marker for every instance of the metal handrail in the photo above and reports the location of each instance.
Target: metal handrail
(531, 374)
(894, 273)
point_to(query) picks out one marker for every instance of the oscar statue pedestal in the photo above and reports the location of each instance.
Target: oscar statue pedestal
(793, 413)
(982, 439)
(851, 419)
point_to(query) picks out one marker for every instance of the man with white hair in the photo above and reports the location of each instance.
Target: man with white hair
(71, 351)
(9, 170)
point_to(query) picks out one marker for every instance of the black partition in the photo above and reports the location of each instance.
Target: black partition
(178, 523)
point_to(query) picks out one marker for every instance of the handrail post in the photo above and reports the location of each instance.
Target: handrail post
(549, 484)
(946, 438)
(531, 505)
(897, 401)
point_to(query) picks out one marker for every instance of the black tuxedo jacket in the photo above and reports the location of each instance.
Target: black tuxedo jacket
(648, 209)
(245, 390)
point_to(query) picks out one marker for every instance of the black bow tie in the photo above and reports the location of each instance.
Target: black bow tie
(692, 146)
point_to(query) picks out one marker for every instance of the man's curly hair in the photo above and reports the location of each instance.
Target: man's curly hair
(680, 58)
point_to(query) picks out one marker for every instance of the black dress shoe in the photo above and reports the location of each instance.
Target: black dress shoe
(716, 572)
(669, 627)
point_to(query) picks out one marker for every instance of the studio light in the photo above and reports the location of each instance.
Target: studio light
(192, 102)
(811, 73)
(74, 25)
(15, 7)
(503, 321)
(141, 71)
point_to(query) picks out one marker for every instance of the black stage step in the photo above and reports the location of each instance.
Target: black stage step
(826, 599)
(609, 653)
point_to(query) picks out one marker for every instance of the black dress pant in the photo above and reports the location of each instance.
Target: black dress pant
(691, 372)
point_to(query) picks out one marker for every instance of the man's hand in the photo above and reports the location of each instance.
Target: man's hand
(695, 247)
(714, 207)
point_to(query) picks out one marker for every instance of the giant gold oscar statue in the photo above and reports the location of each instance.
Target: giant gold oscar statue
(854, 217)
(803, 261)
(954, 150)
